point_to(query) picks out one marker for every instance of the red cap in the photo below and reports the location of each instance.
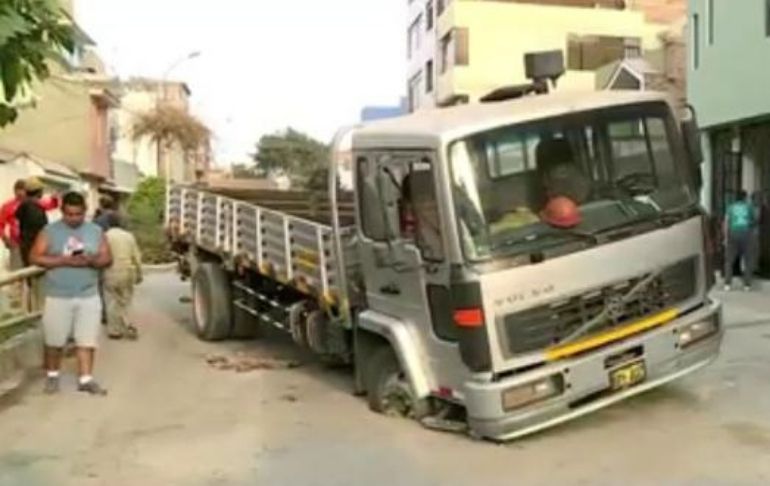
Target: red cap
(561, 212)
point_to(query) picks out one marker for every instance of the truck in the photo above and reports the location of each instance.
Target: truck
(498, 267)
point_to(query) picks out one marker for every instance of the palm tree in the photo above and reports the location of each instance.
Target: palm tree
(167, 126)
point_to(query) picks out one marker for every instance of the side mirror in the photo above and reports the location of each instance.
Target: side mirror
(692, 142)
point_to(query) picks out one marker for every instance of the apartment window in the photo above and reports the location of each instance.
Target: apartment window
(414, 36)
(414, 91)
(446, 52)
(589, 53)
(441, 5)
(695, 41)
(462, 48)
(429, 16)
(429, 76)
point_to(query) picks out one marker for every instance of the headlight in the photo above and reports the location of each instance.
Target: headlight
(532, 392)
(698, 331)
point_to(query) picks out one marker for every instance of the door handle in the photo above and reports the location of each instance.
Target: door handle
(390, 289)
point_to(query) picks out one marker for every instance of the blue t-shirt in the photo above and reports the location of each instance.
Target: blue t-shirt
(740, 216)
(70, 282)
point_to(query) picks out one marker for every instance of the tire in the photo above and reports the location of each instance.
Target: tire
(388, 390)
(212, 303)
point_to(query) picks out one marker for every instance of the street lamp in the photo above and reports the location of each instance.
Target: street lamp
(162, 93)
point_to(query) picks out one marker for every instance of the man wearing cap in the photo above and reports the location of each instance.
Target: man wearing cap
(9, 225)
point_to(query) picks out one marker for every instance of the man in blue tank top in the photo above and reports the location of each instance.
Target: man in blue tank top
(73, 251)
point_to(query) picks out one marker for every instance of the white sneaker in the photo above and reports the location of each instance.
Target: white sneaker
(726, 288)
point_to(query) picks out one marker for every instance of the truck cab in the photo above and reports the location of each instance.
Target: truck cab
(530, 260)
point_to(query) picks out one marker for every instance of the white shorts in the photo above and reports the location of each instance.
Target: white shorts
(77, 317)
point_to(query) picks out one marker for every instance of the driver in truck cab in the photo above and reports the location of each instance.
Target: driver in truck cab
(565, 186)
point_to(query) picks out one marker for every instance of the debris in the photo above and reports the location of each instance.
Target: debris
(243, 362)
(289, 398)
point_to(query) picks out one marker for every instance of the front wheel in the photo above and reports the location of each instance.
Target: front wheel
(388, 390)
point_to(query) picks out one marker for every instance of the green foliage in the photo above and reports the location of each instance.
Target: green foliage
(145, 215)
(32, 32)
(298, 155)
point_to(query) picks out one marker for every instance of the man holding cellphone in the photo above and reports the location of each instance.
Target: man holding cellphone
(73, 251)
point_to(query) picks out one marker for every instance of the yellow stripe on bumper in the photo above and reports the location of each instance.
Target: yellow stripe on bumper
(566, 350)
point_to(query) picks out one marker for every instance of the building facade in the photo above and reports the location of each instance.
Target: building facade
(729, 42)
(460, 50)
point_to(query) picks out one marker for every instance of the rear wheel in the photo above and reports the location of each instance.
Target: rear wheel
(388, 390)
(212, 302)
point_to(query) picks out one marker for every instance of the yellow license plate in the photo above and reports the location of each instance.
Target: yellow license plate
(628, 376)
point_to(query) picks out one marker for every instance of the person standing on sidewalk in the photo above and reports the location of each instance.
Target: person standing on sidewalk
(73, 251)
(10, 231)
(120, 278)
(740, 243)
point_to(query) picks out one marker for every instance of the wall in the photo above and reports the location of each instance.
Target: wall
(500, 33)
(731, 82)
(58, 128)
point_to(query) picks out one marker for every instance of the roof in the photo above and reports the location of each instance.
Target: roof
(456, 122)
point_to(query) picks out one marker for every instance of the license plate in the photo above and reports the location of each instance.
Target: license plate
(628, 376)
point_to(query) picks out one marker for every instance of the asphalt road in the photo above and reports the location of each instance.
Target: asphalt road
(171, 419)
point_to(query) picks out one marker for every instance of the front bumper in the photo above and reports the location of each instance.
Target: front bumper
(587, 380)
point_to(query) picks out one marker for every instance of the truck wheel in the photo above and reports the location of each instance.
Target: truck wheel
(212, 306)
(388, 390)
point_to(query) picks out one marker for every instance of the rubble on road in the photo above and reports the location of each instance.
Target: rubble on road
(244, 362)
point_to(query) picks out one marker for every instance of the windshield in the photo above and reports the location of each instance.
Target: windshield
(523, 188)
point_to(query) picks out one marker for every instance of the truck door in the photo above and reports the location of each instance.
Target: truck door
(402, 245)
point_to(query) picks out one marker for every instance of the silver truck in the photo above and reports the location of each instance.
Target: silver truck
(439, 266)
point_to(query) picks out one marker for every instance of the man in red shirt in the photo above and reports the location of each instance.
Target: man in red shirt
(9, 225)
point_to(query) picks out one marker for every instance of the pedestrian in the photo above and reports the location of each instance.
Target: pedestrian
(740, 241)
(31, 217)
(9, 224)
(107, 207)
(73, 251)
(120, 278)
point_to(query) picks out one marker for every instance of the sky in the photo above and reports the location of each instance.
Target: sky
(264, 65)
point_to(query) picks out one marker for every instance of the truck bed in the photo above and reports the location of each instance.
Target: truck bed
(285, 235)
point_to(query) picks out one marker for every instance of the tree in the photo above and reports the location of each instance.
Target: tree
(145, 215)
(32, 33)
(296, 154)
(168, 125)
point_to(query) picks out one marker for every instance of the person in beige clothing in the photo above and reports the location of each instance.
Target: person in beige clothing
(120, 279)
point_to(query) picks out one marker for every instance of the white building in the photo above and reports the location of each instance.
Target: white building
(421, 49)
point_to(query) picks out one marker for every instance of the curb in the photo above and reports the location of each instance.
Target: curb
(160, 268)
(20, 356)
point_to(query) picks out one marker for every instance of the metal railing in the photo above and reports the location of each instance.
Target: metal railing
(20, 296)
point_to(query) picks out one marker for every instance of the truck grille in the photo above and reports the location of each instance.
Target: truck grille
(548, 325)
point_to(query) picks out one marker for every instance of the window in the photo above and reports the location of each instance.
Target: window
(589, 53)
(414, 91)
(446, 52)
(455, 49)
(695, 41)
(462, 53)
(441, 6)
(414, 36)
(429, 76)
(429, 16)
(397, 198)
